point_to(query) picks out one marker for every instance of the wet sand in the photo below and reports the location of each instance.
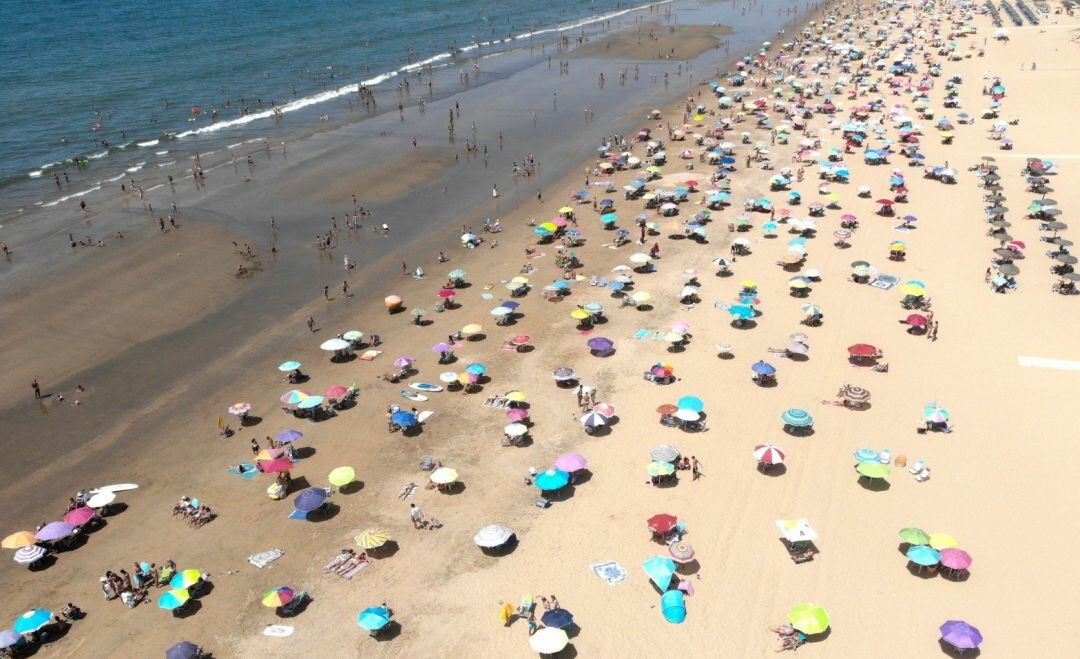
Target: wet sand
(652, 41)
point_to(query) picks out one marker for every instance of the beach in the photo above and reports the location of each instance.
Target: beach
(164, 335)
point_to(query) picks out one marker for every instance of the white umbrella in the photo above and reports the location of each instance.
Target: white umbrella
(687, 291)
(549, 640)
(448, 377)
(444, 476)
(769, 454)
(593, 420)
(621, 268)
(492, 536)
(687, 415)
(501, 311)
(101, 499)
(516, 429)
(639, 257)
(28, 554)
(334, 344)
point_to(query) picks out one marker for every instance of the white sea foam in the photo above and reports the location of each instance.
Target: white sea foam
(100, 154)
(72, 196)
(34, 174)
(115, 178)
(166, 164)
(161, 153)
(136, 167)
(149, 143)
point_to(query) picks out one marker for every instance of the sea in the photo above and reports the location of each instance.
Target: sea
(102, 91)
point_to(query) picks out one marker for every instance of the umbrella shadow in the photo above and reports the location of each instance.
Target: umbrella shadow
(726, 356)
(299, 484)
(796, 357)
(412, 431)
(767, 383)
(676, 347)
(566, 653)
(955, 576)
(295, 609)
(772, 471)
(324, 513)
(475, 338)
(43, 563)
(747, 324)
(688, 568)
(581, 476)
(644, 307)
(526, 348)
(954, 652)
(817, 638)
(351, 487)
(600, 431)
(343, 359)
(250, 420)
(564, 493)
(190, 608)
(860, 407)
(903, 548)
(304, 452)
(390, 548)
(917, 570)
(457, 487)
(874, 484)
(795, 431)
(505, 549)
(388, 633)
(201, 589)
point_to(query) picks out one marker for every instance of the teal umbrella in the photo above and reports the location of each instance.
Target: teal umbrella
(552, 479)
(923, 555)
(692, 403)
(660, 571)
(374, 618)
(741, 312)
(32, 620)
(289, 366)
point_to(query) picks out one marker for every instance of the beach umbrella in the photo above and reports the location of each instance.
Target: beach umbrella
(660, 468)
(311, 402)
(855, 394)
(18, 540)
(402, 362)
(289, 436)
(448, 377)
(662, 371)
(55, 531)
(662, 523)
(517, 414)
(185, 579)
(476, 369)
(687, 415)
(593, 420)
(873, 469)
(492, 536)
(763, 368)
(941, 541)
(557, 618)
(79, 516)
(276, 597)
(549, 640)
(336, 391)
(173, 599)
(641, 296)
(516, 429)
(292, 397)
(769, 454)
(809, 618)
(444, 476)
(31, 621)
(457, 273)
(660, 571)
(8, 638)
(811, 310)
(960, 635)
(28, 554)
(341, 476)
(515, 396)
(664, 453)
(580, 314)
(741, 312)
(955, 559)
(353, 335)
(571, 462)
(681, 552)
(404, 419)
(867, 455)
(916, 320)
(692, 403)
(607, 409)
(600, 344)
(914, 536)
(673, 606)
(239, 409)
(288, 366)
(551, 479)
(563, 373)
(374, 618)
(471, 329)
(923, 555)
(797, 418)
(862, 350)
(935, 414)
(913, 290)
(332, 345)
(310, 499)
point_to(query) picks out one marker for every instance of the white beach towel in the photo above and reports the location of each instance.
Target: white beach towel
(262, 559)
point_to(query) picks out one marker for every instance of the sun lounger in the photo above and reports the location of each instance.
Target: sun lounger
(542, 503)
(917, 467)
(923, 475)
(886, 457)
(370, 355)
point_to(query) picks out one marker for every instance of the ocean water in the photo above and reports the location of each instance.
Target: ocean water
(101, 89)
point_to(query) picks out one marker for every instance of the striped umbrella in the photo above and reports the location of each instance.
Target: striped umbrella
(935, 414)
(661, 468)
(769, 454)
(797, 418)
(185, 579)
(664, 453)
(372, 538)
(28, 554)
(855, 394)
(173, 599)
(492, 536)
(279, 596)
(681, 552)
(593, 420)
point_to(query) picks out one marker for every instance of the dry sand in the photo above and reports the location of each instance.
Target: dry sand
(998, 484)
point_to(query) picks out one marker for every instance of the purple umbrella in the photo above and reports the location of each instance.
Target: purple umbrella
(442, 347)
(956, 559)
(960, 635)
(286, 436)
(55, 531)
(310, 499)
(571, 462)
(600, 344)
(9, 638)
(402, 362)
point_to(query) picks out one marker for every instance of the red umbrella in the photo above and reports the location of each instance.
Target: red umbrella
(769, 454)
(667, 408)
(884, 202)
(916, 320)
(447, 292)
(336, 391)
(662, 523)
(274, 466)
(862, 350)
(520, 340)
(79, 516)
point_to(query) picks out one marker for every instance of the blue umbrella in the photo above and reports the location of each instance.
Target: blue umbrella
(797, 241)
(310, 499)
(673, 606)
(286, 436)
(542, 231)
(510, 304)
(797, 418)
(608, 218)
(310, 402)
(769, 226)
(763, 368)
(552, 479)
(374, 618)
(404, 419)
(727, 160)
(867, 455)
(794, 195)
(923, 555)
(476, 369)
(660, 570)
(616, 285)
(692, 403)
(561, 284)
(607, 203)
(558, 618)
(32, 620)
(289, 366)
(574, 233)
(741, 312)
(182, 650)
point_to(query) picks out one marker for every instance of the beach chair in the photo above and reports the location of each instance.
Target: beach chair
(542, 503)
(917, 467)
(886, 457)
(923, 475)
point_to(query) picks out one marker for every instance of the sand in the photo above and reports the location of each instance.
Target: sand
(652, 41)
(997, 483)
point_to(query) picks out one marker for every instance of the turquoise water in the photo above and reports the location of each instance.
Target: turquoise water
(135, 71)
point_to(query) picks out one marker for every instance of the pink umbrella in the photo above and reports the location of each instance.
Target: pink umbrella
(559, 222)
(607, 409)
(402, 362)
(681, 326)
(336, 391)
(274, 466)
(571, 462)
(956, 559)
(447, 292)
(79, 516)
(848, 217)
(517, 414)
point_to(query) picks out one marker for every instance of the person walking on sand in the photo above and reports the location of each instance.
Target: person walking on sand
(695, 467)
(416, 515)
(37, 389)
(345, 289)
(311, 324)
(254, 446)
(326, 293)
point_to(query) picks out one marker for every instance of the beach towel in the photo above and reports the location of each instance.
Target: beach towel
(642, 333)
(280, 631)
(370, 355)
(658, 336)
(264, 558)
(487, 296)
(248, 473)
(336, 561)
(356, 570)
(610, 571)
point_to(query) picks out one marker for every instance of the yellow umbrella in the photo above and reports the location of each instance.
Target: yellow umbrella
(566, 209)
(798, 284)
(641, 296)
(897, 248)
(549, 226)
(653, 170)
(444, 476)
(749, 283)
(342, 476)
(912, 289)
(18, 540)
(832, 196)
(941, 541)
(698, 117)
(471, 328)
(464, 378)
(372, 538)
(516, 396)
(579, 314)
(520, 280)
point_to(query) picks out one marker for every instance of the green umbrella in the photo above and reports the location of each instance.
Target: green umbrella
(809, 618)
(873, 469)
(914, 536)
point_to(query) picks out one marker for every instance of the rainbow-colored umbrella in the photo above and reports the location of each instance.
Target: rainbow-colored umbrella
(279, 596)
